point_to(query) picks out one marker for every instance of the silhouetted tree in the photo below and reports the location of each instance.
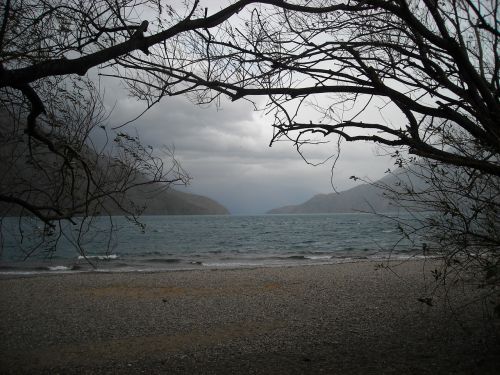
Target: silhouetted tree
(420, 77)
(59, 161)
(432, 65)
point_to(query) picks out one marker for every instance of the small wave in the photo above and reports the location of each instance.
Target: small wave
(319, 257)
(232, 264)
(59, 268)
(143, 254)
(309, 257)
(98, 257)
(19, 273)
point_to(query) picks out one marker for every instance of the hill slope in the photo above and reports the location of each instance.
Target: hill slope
(34, 175)
(365, 198)
(174, 202)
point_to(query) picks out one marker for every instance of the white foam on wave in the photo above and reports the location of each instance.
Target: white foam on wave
(318, 257)
(9, 273)
(59, 268)
(231, 264)
(98, 257)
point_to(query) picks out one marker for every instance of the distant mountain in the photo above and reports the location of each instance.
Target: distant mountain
(155, 201)
(365, 198)
(40, 183)
(173, 202)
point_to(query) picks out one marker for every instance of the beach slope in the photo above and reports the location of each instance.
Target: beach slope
(353, 318)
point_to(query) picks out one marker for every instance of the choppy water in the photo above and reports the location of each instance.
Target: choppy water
(197, 242)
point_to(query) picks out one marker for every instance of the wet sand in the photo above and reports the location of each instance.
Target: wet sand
(350, 318)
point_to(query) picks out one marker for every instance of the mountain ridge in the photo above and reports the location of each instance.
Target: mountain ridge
(362, 198)
(174, 202)
(33, 174)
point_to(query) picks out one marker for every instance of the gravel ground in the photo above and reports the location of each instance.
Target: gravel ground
(337, 319)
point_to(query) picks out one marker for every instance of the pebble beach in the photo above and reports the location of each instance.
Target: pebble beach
(351, 318)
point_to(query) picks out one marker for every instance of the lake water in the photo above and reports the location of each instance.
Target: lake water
(201, 242)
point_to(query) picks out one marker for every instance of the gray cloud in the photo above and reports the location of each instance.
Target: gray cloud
(226, 152)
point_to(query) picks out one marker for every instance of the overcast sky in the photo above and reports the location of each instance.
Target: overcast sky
(226, 151)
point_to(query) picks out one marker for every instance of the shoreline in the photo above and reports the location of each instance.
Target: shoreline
(347, 318)
(64, 270)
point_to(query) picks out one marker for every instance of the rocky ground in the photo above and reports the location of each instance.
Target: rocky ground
(351, 318)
